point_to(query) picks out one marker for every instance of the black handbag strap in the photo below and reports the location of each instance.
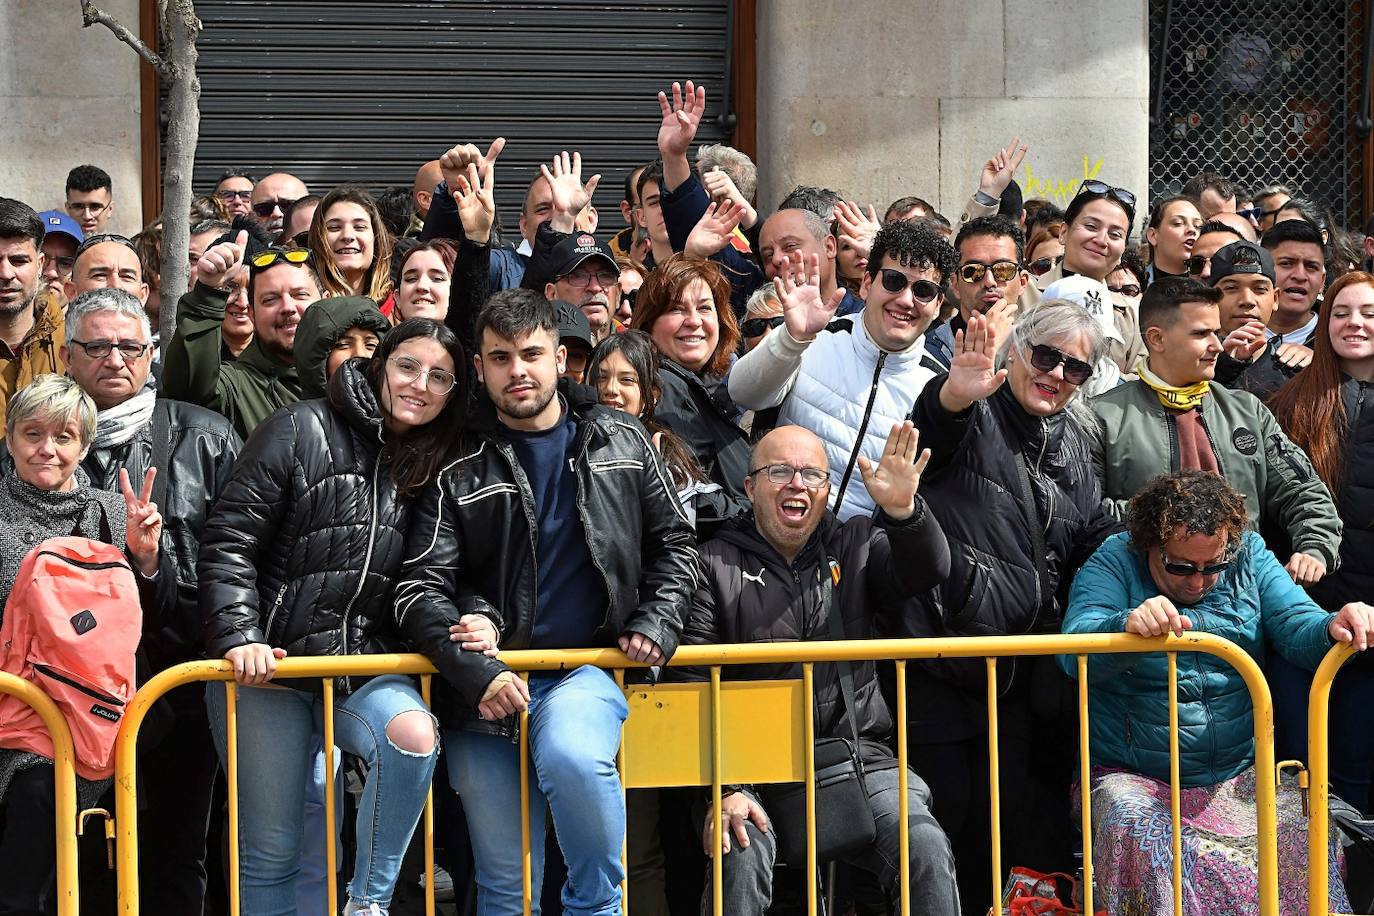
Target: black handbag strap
(827, 583)
(1039, 553)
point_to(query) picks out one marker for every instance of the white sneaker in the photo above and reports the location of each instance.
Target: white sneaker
(443, 885)
(356, 909)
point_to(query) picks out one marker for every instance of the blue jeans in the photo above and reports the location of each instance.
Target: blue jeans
(312, 884)
(276, 728)
(574, 732)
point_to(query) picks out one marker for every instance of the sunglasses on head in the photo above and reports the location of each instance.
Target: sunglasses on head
(1002, 271)
(1045, 358)
(1131, 290)
(894, 281)
(757, 327)
(1039, 267)
(1102, 189)
(265, 259)
(265, 207)
(1175, 568)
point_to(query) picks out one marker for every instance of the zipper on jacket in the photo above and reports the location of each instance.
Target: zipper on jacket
(863, 430)
(272, 615)
(367, 563)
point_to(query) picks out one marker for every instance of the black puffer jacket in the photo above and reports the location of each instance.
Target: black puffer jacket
(704, 418)
(1353, 579)
(200, 455)
(972, 485)
(472, 550)
(304, 545)
(750, 594)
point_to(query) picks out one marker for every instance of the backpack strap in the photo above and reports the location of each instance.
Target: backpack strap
(106, 535)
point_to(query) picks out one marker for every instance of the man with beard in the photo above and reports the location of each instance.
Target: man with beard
(281, 285)
(30, 324)
(560, 522)
(988, 280)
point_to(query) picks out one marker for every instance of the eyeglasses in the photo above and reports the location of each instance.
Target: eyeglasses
(1046, 358)
(1039, 267)
(894, 281)
(264, 259)
(1175, 568)
(130, 350)
(301, 239)
(581, 279)
(1002, 271)
(757, 327)
(1102, 189)
(92, 209)
(64, 263)
(227, 195)
(1195, 264)
(264, 208)
(782, 474)
(436, 381)
(1126, 289)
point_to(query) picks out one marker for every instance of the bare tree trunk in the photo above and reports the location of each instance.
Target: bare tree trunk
(176, 66)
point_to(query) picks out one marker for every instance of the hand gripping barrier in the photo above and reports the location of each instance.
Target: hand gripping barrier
(717, 733)
(64, 780)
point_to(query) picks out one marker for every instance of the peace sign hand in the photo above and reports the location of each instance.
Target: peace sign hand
(998, 170)
(972, 374)
(799, 290)
(894, 480)
(143, 530)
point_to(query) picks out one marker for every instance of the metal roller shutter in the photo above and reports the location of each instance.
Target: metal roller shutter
(367, 91)
(1263, 91)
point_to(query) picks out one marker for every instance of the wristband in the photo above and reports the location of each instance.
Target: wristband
(985, 199)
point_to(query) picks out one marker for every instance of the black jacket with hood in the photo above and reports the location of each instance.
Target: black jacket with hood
(319, 330)
(304, 546)
(749, 594)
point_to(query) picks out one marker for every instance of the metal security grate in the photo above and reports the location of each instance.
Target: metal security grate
(365, 91)
(1263, 91)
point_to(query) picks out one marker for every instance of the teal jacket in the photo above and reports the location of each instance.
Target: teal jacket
(1254, 603)
(1136, 439)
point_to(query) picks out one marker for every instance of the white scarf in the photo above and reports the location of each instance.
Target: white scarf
(117, 425)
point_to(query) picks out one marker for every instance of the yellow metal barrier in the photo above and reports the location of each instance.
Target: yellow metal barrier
(64, 780)
(1319, 784)
(742, 732)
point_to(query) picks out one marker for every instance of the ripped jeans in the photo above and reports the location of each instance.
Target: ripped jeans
(275, 730)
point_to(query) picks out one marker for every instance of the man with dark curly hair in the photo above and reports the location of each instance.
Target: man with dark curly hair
(1188, 561)
(849, 380)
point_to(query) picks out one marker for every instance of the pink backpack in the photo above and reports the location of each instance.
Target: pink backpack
(71, 626)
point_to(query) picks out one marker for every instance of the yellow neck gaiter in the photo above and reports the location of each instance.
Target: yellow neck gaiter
(1174, 398)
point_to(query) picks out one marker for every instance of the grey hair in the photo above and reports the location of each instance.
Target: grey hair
(1270, 190)
(815, 223)
(52, 398)
(1055, 321)
(106, 299)
(764, 302)
(732, 162)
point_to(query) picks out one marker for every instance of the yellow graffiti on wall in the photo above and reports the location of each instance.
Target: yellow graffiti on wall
(1059, 191)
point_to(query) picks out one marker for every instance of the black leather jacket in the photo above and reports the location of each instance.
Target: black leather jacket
(304, 545)
(200, 453)
(472, 550)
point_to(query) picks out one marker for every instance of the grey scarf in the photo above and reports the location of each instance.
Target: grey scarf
(117, 425)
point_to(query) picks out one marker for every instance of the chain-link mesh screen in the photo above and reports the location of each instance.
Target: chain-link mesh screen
(1262, 91)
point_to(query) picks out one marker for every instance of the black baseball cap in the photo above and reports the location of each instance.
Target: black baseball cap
(1241, 257)
(569, 254)
(572, 323)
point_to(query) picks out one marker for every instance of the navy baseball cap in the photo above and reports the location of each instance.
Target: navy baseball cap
(55, 221)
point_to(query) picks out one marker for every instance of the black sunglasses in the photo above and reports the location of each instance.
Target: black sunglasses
(757, 327)
(265, 207)
(1045, 358)
(1174, 568)
(1002, 271)
(1102, 189)
(628, 299)
(1039, 267)
(894, 281)
(1131, 290)
(1195, 264)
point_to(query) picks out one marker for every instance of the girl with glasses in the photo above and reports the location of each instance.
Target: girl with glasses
(299, 559)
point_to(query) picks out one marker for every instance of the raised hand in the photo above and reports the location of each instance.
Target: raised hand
(893, 481)
(712, 232)
(804, 313)
(473, 192)
(143, 532)
(454, 163)
(219, 261)
(720, 186)
(856, 227)
(972, 374)
(998, 171)
(1294, 355)
(570, 195)
(680, 119)
(1245, 341)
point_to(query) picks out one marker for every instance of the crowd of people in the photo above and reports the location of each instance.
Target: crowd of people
(385, 424)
